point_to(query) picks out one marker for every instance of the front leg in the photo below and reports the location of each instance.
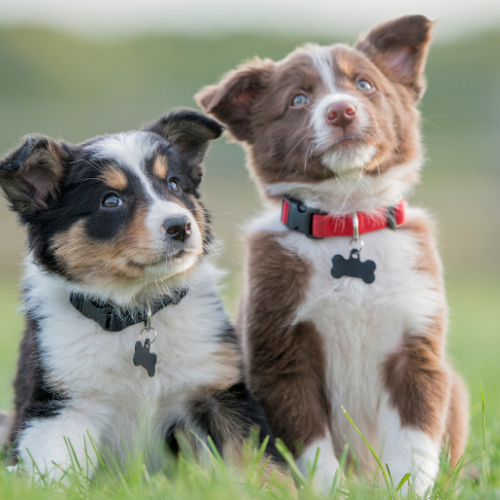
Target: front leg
(285, 355)
(53, 445)
(327, 464)
(412, 417)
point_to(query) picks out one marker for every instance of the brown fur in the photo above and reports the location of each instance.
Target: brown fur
(254, 102)
(417, 377)
(119, 260)
(286, 368)
(114, 178)
(419, 382)
(407, 37)
(457, 424)
(428, 261)
(160, 167)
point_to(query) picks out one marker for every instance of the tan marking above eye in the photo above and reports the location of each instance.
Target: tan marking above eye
(114, 178)
(160, 167)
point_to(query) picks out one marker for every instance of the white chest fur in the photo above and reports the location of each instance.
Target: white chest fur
(361, 324)
(95, 368)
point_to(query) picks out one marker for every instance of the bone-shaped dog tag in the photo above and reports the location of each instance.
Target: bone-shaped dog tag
(144, 358)
(353, 267)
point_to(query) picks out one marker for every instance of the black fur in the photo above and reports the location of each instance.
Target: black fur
(55, 187)
(190, 131)
(229, 415)
(68, 188)
(34, 396)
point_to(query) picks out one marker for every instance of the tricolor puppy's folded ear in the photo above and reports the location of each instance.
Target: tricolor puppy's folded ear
(399, 48)
(232, 99)
(191, 131)
(30, 174)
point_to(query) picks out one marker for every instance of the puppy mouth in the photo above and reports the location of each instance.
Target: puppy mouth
(347, 140)
(164, 259)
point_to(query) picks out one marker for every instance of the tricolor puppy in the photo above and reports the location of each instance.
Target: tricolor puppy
(123, 322)
(344, 303)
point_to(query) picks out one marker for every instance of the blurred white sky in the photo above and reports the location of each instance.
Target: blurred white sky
(327, 17)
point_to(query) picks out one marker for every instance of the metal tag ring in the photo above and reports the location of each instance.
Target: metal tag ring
(148, 330)
(356, 240)
(353, 243)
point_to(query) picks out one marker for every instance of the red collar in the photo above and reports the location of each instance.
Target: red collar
(316, 224)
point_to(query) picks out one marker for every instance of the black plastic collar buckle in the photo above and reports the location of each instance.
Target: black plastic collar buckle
(391, 218)
(300, 217)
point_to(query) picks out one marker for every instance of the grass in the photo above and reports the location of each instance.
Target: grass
(70, 87)
(475, 476)
(474, 348)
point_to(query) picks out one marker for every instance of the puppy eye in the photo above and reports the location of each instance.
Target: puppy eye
(111, 201)
(173, 185)
(299, 100)
(364, 86)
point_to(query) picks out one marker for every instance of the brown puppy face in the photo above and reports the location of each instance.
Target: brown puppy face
(117, 212)
(328, 112)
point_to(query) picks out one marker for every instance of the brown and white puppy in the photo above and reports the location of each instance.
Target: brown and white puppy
(337, 129)
(115, 225)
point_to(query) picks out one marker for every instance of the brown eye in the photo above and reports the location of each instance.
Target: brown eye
(299, 100)
(173, 185)
(111, 201)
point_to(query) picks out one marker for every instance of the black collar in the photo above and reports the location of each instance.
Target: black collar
(111, 318)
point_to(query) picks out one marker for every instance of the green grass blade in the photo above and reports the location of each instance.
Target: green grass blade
(406, 477)
(288, 457)
(215, 458)
(216, 453)
(97, 451)
(372, 451)
(312, 470)
(389, 473)
(486, 471)
(260, 454)
(42, 476)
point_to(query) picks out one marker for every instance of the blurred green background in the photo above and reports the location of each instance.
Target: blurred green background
(73, 87)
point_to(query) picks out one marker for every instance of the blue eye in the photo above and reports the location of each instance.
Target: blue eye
(173, 185)
(299, 100)
(363, 86)
(111, 201)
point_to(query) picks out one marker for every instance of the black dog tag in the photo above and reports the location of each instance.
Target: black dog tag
(142, 356)
(353, 267)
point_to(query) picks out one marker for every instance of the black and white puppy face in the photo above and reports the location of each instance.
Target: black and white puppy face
(116, 211)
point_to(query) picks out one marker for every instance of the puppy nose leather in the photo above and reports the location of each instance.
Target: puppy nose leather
(178, 227)
(341, 114)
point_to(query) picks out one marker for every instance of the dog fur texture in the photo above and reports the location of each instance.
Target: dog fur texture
(337, 128)
(105, 219)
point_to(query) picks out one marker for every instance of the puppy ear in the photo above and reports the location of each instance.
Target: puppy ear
(191, 131)
(30, 174)
(399, 48)
(231, 100)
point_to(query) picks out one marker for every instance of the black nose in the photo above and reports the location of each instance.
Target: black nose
(178, 227)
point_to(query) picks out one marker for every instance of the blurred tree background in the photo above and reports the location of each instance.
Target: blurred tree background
(72, 87)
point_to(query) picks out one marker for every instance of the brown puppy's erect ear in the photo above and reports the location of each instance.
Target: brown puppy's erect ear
(231, 100)
(399, 48)
(30, 174)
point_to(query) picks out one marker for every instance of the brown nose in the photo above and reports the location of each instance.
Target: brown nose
(341, 114)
